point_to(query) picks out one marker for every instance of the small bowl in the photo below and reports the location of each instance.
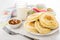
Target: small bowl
(14, 24)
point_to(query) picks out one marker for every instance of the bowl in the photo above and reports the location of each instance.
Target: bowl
(14, 22)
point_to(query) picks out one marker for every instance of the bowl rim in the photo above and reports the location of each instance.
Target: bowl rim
(14, 18)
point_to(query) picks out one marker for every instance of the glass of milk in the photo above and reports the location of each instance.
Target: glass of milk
(21, 10)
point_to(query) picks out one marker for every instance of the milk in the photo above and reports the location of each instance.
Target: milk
(21, 10)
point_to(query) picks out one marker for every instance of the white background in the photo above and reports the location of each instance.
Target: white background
(55, 4)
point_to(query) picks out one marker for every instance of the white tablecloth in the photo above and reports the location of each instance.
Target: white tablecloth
(49, 3)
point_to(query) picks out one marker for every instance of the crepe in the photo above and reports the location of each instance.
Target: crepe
(29, 26)
(33, 17)
(48, 20)
(40, 29)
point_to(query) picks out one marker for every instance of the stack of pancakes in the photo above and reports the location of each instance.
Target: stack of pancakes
(43, 23)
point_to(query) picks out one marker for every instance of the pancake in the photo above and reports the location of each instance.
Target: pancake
(40, 29)
(48, 20)
(33, 17)
(30, 27)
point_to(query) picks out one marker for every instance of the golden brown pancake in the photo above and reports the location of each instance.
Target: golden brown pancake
(30, 27)
(33, 17)
(40, 29)
(48, 20)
